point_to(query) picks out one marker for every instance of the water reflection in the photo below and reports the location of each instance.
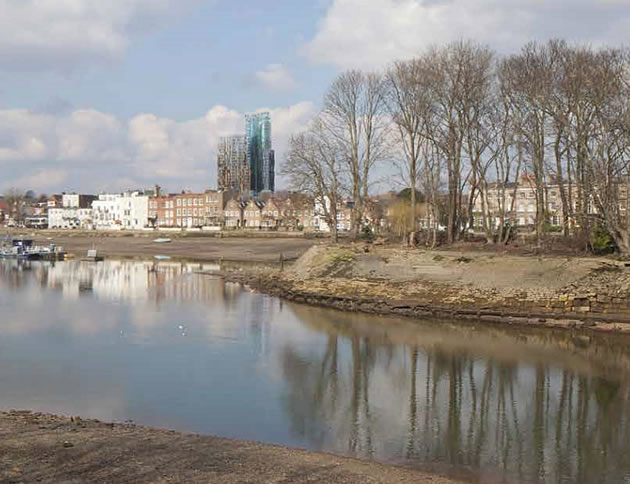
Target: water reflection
(532, 411)
(158, 344)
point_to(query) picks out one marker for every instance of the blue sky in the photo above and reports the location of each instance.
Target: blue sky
(122, 94)
(204, 58)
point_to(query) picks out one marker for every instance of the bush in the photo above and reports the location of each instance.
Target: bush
(367, 234)
(602, 241)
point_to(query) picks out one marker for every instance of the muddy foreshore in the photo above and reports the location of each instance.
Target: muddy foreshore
(43, 448)
(590, 294)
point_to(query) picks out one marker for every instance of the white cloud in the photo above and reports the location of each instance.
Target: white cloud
(287, 121)
(368, 33)
(42, 180)
(180, 150)
(61, 34)
(90, 150)
(276, 77)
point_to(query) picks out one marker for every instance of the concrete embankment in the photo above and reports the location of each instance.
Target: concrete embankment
(559, 292)
(51, 449)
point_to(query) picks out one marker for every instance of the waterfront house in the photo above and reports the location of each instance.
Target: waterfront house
(121, 211)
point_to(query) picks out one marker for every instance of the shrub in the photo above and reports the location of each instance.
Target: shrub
(367, 234)
(601, 241)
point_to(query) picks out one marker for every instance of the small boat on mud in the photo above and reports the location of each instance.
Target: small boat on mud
(24, 249)
(92, 256)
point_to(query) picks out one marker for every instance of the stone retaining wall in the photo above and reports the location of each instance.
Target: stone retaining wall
(595, 312)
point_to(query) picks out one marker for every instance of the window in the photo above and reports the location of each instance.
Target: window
(179, 211)
(179, 202)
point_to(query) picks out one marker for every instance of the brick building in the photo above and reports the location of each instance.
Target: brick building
(187, 209)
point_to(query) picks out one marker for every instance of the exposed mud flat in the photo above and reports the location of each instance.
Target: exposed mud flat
(187, 248)
(51, 449)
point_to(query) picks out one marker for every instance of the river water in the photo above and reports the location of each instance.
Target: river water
(163, 346)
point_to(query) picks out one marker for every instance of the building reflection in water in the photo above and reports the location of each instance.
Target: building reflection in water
(117, 280)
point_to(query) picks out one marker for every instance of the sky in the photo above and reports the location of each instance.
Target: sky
(123, 94)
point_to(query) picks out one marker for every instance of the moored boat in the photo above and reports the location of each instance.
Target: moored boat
(24, 249)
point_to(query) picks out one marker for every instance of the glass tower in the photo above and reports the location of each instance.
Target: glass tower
(260, 155)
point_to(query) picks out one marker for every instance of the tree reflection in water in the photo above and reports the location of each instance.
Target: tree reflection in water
(532, 408)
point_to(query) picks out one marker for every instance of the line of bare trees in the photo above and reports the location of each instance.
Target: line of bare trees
(465, 125)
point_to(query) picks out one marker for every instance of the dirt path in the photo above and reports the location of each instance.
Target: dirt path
(49, 449)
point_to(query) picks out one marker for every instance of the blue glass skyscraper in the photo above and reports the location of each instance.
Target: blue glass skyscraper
(260, 155)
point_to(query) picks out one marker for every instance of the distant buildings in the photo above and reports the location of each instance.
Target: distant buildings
(517, 201)
(246, 164)
(75, 211)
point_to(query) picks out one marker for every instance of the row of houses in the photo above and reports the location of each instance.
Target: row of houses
(151, 209)
(224, 210)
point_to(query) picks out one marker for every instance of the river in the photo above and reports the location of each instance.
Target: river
(164, 346)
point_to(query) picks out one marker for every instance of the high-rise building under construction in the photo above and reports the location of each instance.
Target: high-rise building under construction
(233, 170)
(260, 155)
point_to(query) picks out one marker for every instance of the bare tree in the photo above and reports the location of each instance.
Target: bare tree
(431, 180)
(458, 77)
(16, 202)
(529, 75)
(408, 105)
(607, 147)
(355, 117)
(314, 167)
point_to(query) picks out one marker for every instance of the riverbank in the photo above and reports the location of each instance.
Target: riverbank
(52, 449)
(541, 291)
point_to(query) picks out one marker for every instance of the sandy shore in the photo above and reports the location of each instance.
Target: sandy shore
(51, 449)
